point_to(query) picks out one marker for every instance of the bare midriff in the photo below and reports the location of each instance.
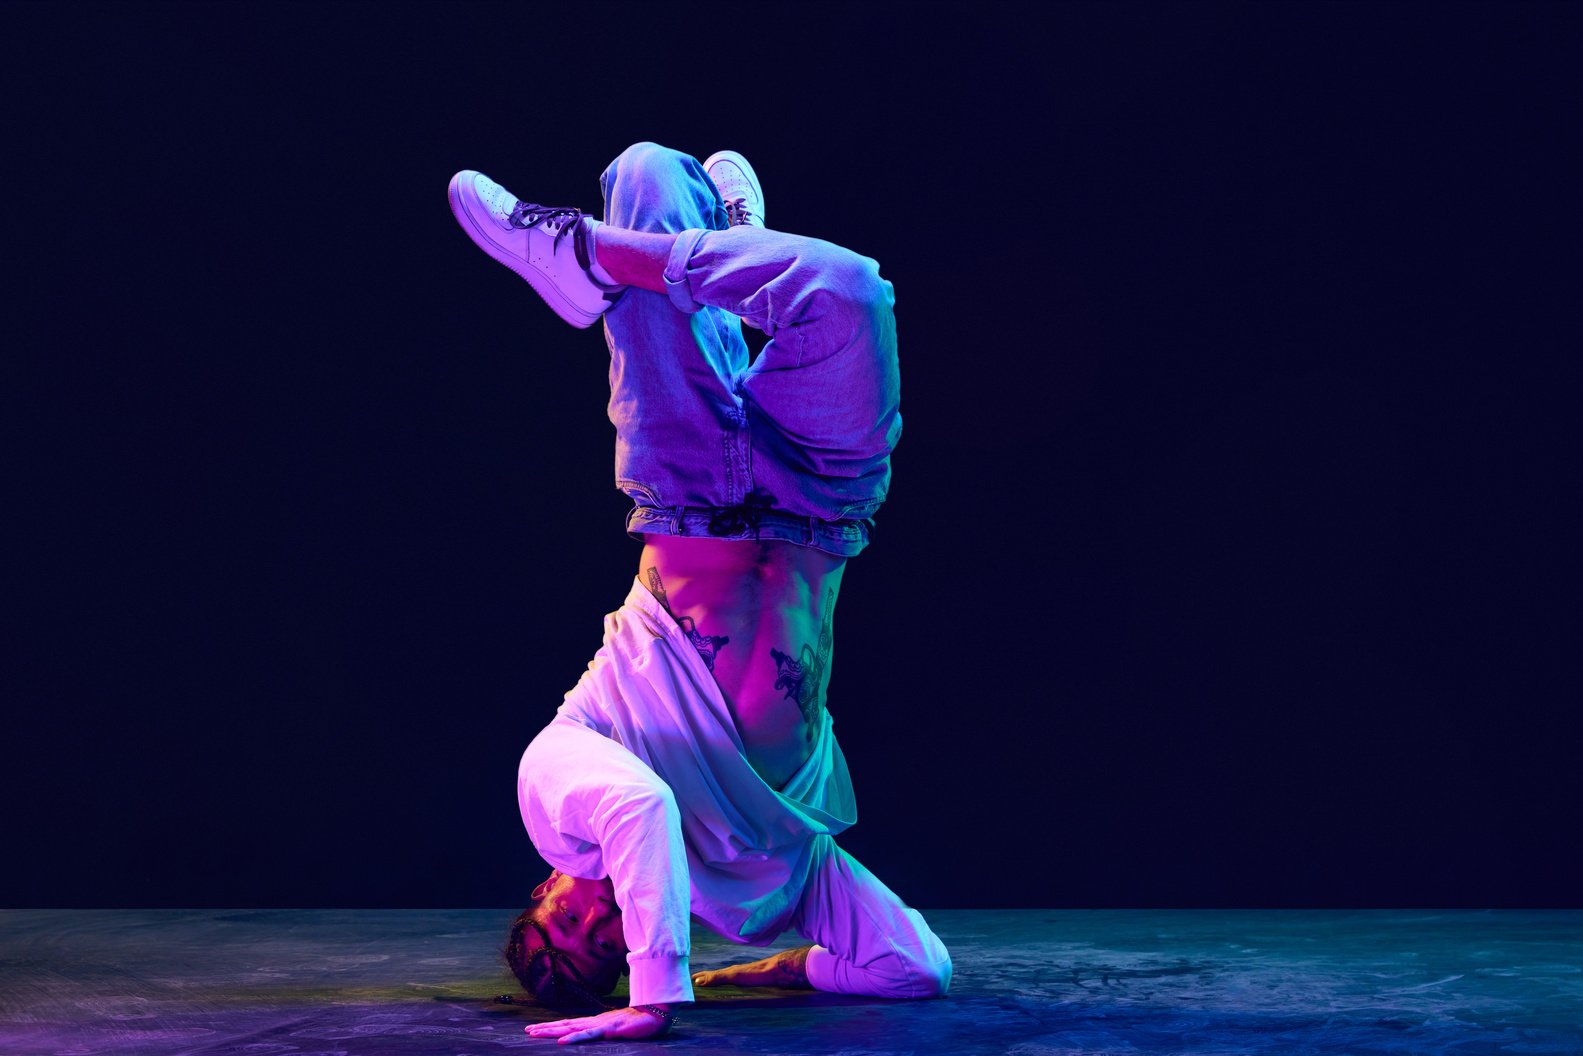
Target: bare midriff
(761, 615)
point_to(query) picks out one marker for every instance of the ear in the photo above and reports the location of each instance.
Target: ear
(538, 892)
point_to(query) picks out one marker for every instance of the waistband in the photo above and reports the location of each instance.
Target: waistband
(845, 538)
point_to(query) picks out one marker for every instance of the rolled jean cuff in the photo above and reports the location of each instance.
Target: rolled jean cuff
(676, 287)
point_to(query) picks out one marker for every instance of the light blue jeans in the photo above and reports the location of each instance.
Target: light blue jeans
(794, 445)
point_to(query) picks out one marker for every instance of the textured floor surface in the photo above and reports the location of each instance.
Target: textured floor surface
(309, 983)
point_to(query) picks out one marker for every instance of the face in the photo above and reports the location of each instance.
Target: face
(583, 921)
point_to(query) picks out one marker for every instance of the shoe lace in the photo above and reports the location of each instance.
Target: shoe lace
(738, 212)
(559, 218)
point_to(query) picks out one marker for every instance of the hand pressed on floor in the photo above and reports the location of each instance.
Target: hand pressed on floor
(631, 1024)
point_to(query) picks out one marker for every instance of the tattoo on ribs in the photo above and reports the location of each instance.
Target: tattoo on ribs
(802, 677)
(657, 588)
(706, 644)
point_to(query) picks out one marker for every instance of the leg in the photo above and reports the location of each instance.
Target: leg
(824, 395)
(805, 431)
(634, 258)
(653, 194)
(681, 437)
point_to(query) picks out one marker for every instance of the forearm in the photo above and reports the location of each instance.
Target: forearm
(642, 845)
(788, 969)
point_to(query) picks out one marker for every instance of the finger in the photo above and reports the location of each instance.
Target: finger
(556, 1028)
(591, 1034)
(534, 1028)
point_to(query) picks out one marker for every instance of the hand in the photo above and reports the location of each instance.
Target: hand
(788, 968)
(628, 1023)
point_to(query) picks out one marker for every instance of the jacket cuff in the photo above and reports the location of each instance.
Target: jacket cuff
(659, 980)
(676, 287)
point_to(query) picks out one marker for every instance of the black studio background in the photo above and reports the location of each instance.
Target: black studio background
(1228, 559)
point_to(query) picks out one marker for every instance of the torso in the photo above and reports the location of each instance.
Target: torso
(761, 615)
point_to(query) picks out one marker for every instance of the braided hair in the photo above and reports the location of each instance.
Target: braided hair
(545, 972)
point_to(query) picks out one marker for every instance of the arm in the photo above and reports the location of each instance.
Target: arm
(592, 809)
(869, 941)
(789, 969)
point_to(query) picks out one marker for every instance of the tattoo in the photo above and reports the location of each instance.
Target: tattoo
(658, 590)
(706, 644)
(802, 677)
(794, 967)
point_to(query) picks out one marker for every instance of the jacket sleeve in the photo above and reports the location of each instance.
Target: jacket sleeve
(867, 940)
(594, 809)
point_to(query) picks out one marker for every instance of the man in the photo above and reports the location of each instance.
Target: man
(693, 768)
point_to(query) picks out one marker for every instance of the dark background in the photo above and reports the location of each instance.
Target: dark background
(1228, 559)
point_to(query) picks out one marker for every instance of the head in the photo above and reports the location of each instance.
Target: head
(567, 948)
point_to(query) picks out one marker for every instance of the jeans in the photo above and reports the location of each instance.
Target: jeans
(794, 445)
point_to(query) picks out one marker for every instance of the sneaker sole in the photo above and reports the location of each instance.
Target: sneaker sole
(460, 193)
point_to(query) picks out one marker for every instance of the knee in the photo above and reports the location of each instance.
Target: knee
(856, 306)
(650, 161)
(650, 187)
(854, 280)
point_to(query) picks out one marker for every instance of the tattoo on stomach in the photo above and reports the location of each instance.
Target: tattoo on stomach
(706, 644)
(801, 678)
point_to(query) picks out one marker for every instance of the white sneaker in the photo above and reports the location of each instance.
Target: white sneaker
(531, 240)
(739, 187)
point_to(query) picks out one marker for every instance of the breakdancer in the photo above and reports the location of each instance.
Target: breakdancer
(693, 768)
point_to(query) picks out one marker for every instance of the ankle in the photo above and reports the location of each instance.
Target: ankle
(595, 268)
(631, 258)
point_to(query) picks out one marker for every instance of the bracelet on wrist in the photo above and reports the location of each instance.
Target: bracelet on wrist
(655, 1010)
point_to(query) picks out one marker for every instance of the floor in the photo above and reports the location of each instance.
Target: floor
(1028, 982)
